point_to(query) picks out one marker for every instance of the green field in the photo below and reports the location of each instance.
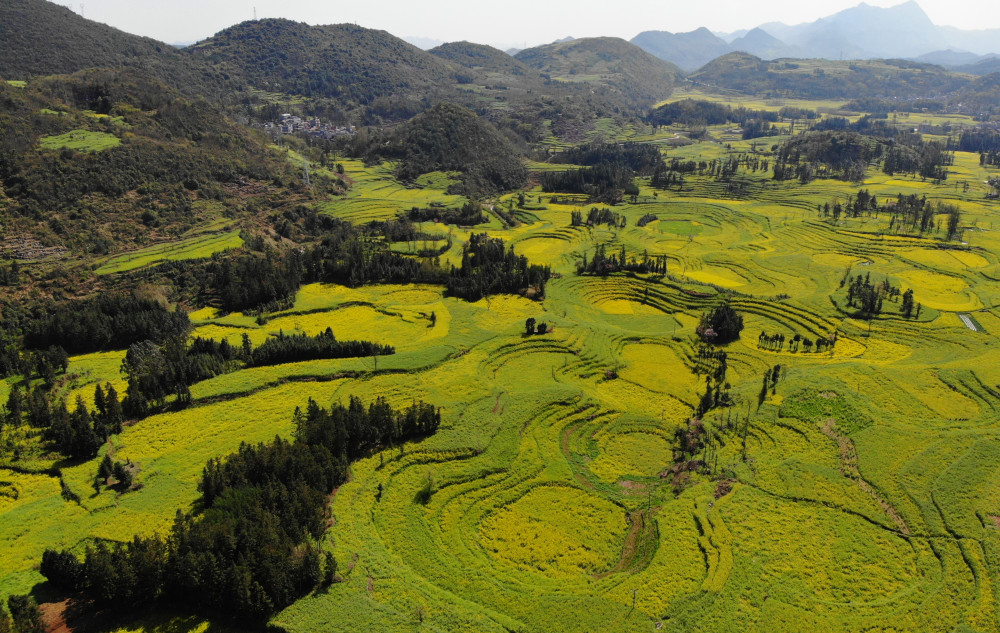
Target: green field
(190, 248)
(862, 495)
(81, 141)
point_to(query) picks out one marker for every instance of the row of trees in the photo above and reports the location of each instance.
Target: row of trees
(251, 552)
(603, 263)
(295, 348)
(776, 342)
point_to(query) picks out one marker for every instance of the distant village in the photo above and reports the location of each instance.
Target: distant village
(291, 124)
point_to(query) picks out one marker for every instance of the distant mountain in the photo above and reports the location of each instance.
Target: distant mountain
(729, 37)
(950, 58)
(986, 66)
(864, 32)
(982, 42)
(613, 63)
(762, 44)
(689, 51)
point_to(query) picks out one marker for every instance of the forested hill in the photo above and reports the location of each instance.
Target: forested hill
(824, 79)
(618, 66)
(43, 38)
(482, 57)
(451, 138)
(350, 63)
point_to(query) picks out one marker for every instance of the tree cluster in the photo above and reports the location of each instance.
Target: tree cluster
(250, 553)
(720, 325)
(470, 214)
(489, 267)
(604, 182)
(640, 158)
(103, 322)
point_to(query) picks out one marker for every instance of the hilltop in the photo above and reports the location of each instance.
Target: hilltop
(481, 58)
(619, 66)
(352, 64)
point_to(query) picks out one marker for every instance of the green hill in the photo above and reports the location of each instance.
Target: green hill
(355, 65)
(825, 79)
(452, 138)
(616, 65)
(481, 57)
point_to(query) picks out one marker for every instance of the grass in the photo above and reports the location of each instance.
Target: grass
(865, 501)
(81, 141)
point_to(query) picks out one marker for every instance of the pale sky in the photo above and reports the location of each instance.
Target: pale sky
(502, 23)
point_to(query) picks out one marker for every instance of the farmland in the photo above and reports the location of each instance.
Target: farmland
(861, 493)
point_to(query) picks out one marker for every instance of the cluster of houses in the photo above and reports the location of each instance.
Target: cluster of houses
(291, 124)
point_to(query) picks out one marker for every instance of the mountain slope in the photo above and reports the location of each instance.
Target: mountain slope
(42, 38)
(986, 66)
(689, 51)
(106, 158)
(618, 66)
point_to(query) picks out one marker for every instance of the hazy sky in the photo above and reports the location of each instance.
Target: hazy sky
(503, 23)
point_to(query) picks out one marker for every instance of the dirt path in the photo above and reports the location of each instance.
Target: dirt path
(849, 468)
(637, 550)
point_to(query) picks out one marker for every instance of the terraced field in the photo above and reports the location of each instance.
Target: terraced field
(861, 494)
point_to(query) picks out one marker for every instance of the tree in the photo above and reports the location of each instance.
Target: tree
(115, 416)
(26, 615)
(721, 325)
(954, 217)
(62, 569)
(15, 407)
(907, 306)
(529, 326)
(6, 626)
(542, 328)
(124, 476)
(329, 569)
